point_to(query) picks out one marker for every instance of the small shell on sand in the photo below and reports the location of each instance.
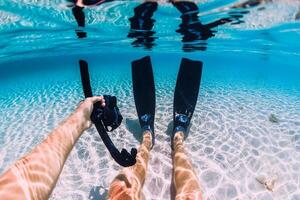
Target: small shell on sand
(269, 183)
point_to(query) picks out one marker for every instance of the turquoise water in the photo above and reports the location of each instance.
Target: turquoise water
(251, 71)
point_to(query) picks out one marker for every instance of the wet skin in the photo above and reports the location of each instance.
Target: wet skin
(34, 176)
(128, 184)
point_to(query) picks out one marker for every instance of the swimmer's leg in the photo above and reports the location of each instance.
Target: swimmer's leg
(128, 184)
(185, 100)
(185, 179)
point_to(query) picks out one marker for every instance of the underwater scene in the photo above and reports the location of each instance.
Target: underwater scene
(244, 137)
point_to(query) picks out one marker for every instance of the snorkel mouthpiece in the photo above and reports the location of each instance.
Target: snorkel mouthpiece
(109, 115)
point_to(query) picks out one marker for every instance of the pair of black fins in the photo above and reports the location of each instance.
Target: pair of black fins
(185, 96)
(185, 99)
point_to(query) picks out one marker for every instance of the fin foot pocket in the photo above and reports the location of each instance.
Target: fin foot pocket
(186, 94)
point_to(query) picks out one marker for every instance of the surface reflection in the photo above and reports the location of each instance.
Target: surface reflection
(80, 19)
(195, 34)
(78, 13)
(141, 25)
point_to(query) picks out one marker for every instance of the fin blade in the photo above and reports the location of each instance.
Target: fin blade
(143, 88)
(187, 87)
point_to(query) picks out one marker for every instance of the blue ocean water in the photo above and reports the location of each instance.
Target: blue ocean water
(251, 71)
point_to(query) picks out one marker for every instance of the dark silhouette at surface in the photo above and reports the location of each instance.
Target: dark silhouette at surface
(80, 19)
(94, 2)
(194, 33)
(141, 25)
(79, 14)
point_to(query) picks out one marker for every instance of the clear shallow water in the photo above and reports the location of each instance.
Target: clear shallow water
(251, 71)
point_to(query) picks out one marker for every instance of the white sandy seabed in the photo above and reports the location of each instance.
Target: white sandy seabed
(232, 143)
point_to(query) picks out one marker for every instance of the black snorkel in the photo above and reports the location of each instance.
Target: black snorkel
(106, 119)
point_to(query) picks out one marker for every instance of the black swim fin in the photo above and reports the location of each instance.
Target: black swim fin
(186, 93)
(144, 93)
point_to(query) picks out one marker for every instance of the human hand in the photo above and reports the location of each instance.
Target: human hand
(86, 107)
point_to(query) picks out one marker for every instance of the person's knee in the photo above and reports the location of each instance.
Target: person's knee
(124, 187)
(119, 188)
